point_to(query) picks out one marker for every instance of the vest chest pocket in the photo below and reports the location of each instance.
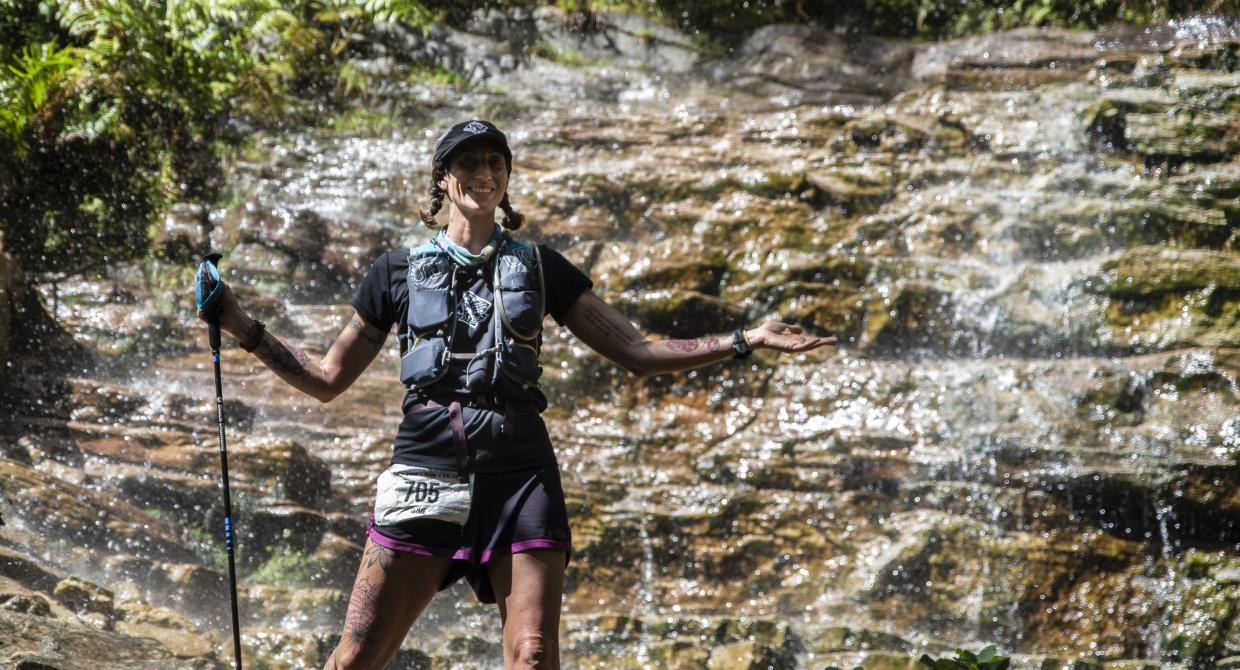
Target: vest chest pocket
(430, 300)
(517, 365)
(424, 363)
(522, 313)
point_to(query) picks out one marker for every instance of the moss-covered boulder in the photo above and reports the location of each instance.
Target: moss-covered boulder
(1163, 298)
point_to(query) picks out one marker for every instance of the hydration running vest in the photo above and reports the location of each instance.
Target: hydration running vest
(505, 363)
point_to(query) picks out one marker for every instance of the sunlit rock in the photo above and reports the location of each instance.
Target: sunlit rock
(86, 598)
(24, 638)
(171, 629)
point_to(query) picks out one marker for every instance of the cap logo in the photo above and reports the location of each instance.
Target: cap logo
(473, 128)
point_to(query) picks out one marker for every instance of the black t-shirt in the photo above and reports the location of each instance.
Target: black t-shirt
(424, 437)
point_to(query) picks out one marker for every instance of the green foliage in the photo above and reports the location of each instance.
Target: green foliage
(833, 667)
(987, 659)
(112, 109)
(287, 568)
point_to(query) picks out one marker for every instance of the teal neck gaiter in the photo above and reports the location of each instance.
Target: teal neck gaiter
(461, 256)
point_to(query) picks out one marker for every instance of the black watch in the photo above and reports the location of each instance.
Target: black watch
(740, 345)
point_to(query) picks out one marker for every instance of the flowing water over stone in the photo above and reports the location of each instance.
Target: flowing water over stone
(1026, 242)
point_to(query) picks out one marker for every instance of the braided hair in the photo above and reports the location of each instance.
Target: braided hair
(438, 171)
(512, 218)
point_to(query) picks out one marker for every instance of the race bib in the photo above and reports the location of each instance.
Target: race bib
(407, 492)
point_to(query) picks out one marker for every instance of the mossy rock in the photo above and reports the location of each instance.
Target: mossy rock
(1183, 133)
(1162, 298)
(916, 317)
(850, 189)
(1085, 226)
(843, 638)
(1148, 271)
(899, 134)
(1154, 125)
(1106, 119)
(750, 656)
(1208, 89)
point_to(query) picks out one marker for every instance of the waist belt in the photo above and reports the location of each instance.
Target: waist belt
(460, 447)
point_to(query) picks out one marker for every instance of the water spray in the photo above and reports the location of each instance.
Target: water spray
(208, 288)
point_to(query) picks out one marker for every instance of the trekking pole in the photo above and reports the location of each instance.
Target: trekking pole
(208, 288)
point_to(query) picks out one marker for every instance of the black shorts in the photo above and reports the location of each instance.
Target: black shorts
(509, 513)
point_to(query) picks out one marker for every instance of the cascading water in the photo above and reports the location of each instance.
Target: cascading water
(1026, 438)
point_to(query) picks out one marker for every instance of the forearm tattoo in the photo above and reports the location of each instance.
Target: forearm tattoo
(607, 326)
(360, 326)
(282, 358)
(686, 346)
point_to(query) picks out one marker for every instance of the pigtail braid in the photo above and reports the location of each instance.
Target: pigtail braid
(438, 172)
(512, 218)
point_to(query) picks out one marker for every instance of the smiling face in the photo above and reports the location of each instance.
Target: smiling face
(477, 178)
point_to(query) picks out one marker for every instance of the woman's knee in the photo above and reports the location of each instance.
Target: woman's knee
(534, 651)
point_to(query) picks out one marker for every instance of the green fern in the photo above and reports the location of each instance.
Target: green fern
(986, 659)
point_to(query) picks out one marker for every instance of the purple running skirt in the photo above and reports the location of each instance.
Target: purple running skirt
(511, 512)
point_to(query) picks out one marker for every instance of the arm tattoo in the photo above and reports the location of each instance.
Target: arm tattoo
(607, 326)
(684, 346)
(713, 344)
(360, 326)
(282, 358)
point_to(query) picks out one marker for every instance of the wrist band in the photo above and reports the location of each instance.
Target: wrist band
(253, 336)
(740, 344)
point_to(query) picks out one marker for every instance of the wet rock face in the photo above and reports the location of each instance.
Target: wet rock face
(1025, 242)
(11, 293)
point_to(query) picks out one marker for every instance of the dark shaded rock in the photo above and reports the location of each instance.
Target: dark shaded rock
(807, 63)
(286, 470)
(677, 313)
(103, 403)
(12, 290)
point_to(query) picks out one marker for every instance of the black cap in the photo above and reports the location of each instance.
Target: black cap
(470, 130)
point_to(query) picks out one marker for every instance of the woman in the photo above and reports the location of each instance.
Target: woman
(474, 489)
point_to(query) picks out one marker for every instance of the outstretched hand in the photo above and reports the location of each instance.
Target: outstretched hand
(786, 337)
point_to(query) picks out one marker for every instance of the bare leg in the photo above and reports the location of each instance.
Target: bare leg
(528, 587)
(390, 591)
